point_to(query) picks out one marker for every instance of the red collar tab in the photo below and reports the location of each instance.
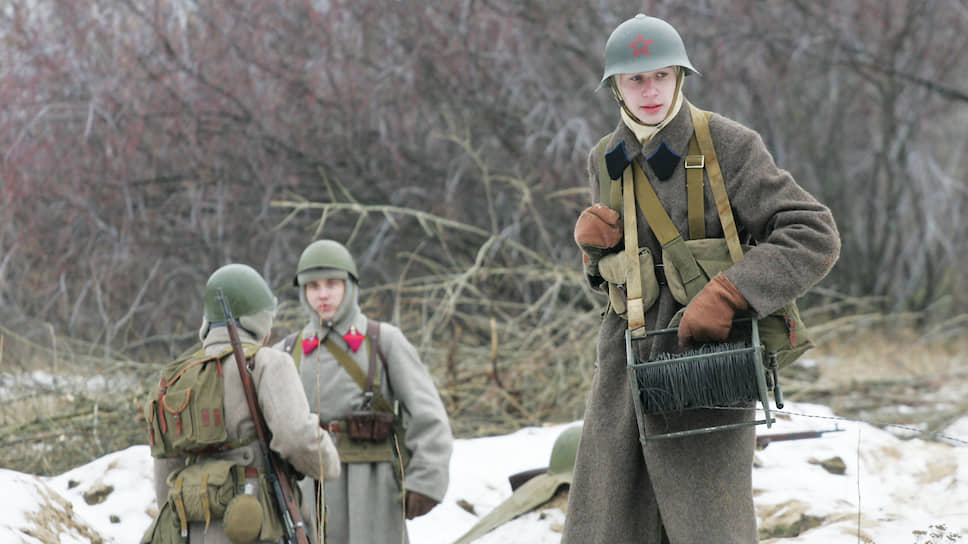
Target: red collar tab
(353, 339)
(310, 344)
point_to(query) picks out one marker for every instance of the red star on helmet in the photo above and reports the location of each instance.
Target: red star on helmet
(641, 46)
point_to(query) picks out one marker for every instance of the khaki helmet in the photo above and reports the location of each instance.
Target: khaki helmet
(643, 44)
(534, 492)
(323, 254)
(244, 290)
(564, 451)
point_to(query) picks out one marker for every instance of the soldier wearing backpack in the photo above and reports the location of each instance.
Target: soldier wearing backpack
(210, 477)
(372, 391)
(695, 488)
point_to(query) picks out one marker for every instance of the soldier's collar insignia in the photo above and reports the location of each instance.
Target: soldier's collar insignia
(663, 161)
(353, 339)
(309, 344)
(617, 160)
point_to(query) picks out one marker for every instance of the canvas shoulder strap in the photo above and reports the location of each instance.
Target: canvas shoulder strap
(619, 196)
(610, 191)
(700, 122)
(695, 164)
(666, 233)
(365, 381)
(635, 306)
(373, 336)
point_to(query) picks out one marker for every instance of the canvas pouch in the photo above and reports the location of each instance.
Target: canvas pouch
(204, 489)
(782, 332)
(614, 269)
(165, 528)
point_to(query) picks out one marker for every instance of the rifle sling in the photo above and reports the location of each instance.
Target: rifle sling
(292, 518)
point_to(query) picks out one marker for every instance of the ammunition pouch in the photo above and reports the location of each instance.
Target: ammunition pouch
(369, 425)
(614, 269)
(372, 436)
(380, 437)
(782, 332)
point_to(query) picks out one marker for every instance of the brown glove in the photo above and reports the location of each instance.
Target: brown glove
(598, 229)
(709, 316)
(418, 504)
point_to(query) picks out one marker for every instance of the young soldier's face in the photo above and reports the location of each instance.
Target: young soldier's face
(325, 296)
(649, 95)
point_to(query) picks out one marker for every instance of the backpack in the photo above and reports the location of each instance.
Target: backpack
(187, 414)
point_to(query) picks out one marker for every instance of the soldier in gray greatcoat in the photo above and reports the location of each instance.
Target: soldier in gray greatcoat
(341, 354)
(694, 488)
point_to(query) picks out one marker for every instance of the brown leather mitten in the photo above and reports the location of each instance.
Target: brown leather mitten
(418, 504)
(709, 316)
(598, 229)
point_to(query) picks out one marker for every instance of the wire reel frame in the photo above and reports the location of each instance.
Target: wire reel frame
(757, 353)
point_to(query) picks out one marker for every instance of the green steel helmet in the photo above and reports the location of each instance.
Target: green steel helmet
(564, 450)
(643, 44)
(323, 254)
(244, 290)
(534, 492)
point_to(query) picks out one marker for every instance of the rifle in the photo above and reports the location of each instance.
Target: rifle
(292, 520)
(764, 440)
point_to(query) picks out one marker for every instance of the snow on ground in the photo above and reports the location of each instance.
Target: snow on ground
(897, 491)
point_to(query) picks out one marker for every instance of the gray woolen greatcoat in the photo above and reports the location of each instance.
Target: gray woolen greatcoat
(364, 505)
(697, 488)
(296, 435)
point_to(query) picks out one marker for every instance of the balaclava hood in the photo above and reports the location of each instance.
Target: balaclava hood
(644, 133)
(259, 325)
(348, 308)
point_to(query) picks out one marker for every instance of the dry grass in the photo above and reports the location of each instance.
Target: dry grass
(494, 376)
(897, 353)
(509, 336)
(890, 372)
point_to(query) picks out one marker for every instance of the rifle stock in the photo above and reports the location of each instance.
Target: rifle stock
(293, 523)
(518, 479)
